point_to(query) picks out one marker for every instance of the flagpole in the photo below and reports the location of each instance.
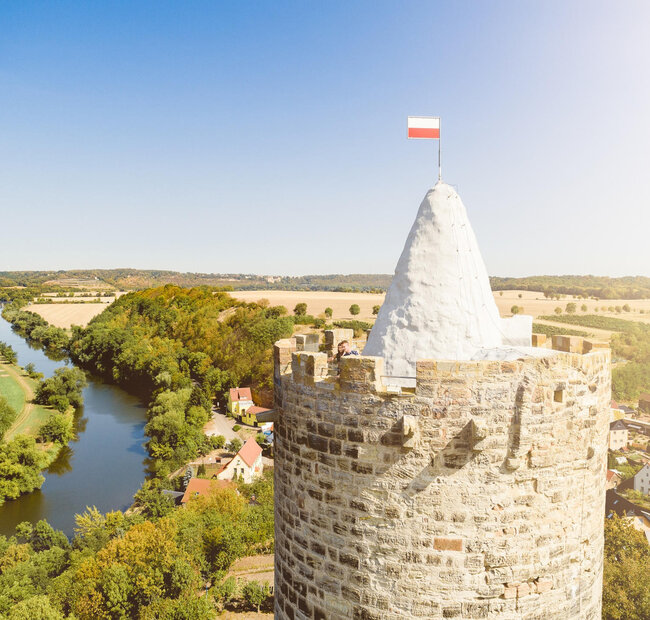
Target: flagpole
(439, 155)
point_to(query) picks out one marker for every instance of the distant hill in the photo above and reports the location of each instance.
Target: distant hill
(130, 279)
(603, 287)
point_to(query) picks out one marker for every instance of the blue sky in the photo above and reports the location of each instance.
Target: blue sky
(269, 137)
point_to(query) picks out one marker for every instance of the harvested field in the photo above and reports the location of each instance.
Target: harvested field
(66, 315)
(84, 283)
(317, 301)
(533, 303)
(536, 304)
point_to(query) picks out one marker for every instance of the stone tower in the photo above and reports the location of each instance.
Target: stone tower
(455, 474)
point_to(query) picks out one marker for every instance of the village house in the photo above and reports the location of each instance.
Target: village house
(637, 516)
(642, 480)
(239, 400)
(618, 435)
(613, 479)
(246, 465)
(199, 486)
(250, 415)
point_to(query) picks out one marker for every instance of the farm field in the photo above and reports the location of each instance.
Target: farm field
(317, 301)
(533, 303)
(62, 314)
(65, 315)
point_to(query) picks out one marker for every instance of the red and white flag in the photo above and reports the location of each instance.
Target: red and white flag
(424, 127)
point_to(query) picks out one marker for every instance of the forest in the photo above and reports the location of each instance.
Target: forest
(158, 562)
(602, 287)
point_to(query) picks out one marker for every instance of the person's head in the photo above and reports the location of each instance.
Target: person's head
(344, 347)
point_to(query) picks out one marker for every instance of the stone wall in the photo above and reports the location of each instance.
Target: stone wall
(478, 494)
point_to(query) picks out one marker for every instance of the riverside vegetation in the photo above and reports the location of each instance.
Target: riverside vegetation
(24, 456)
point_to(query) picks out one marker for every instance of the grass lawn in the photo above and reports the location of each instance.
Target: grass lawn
(11, 390)
(30, 425)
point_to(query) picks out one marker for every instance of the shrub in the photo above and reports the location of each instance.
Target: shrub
(329, 312)
(354, 309)
(300, 309)
(375, 309)
(236, 428)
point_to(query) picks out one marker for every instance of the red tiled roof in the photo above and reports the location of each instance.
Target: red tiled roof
(254, 410)
(614, 405)
(240, 394)
(199, 486)
(610, 474)
(250, 451)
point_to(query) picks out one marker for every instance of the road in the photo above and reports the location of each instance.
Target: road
(220, 425)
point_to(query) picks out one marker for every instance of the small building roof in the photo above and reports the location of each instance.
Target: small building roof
(617, 425)
(254, 410)
(238, 393)
(644, 397)
(199, 486)
(250, 451)
(611, 474)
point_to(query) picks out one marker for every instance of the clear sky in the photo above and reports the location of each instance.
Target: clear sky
(270, 137)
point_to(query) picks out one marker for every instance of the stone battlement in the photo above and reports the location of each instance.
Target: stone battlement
(476, 493)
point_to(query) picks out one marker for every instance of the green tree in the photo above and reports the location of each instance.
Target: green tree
(58, 428)
(558, 310)
(35, 608)
(375, 309)
(329, 312)
(515, 310)
(354, 309)
(300, 309)
(66, 383)
(583, 307)
(7, 416)
(234, 445)
(218, 441)
(255, 593)
(570, 308)
(626, 588)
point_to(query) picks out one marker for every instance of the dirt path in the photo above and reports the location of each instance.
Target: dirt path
(29, 397)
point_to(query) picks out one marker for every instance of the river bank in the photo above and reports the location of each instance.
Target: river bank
(103, 466)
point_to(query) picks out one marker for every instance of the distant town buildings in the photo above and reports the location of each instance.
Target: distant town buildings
(618, 435)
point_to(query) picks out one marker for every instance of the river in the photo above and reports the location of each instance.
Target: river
(103, 467)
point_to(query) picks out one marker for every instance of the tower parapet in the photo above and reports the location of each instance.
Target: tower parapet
(476, 494)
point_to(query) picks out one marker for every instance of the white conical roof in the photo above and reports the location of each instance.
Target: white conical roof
(439, 304)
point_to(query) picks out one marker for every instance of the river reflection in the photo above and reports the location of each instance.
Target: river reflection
(103, 466)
